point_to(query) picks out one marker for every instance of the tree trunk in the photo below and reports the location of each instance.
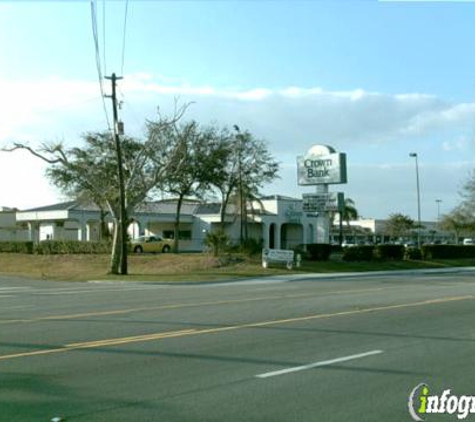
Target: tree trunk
(176, 228)
(115, 255)
(222, 210)
(104, 230)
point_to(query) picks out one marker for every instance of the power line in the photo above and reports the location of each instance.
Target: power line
(124, 34)
(104, 34)
(98, 57)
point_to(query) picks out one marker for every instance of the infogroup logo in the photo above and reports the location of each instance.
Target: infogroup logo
(421, 403)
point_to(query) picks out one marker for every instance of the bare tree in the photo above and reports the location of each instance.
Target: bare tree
(247, 165)
(91, 170)
(460, 220)
(201, 151)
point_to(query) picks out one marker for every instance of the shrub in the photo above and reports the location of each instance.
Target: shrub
(337, 249)
(448, 251)
(358, 253)
(393, 252)
(252, 246)
(300, 250)
(16, 247)
(319, 251)
(217, 241)
(412, 254)
(54, 247)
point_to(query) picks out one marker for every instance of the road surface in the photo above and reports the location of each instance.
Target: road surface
(312, 350)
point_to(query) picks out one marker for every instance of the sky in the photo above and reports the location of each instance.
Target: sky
(375, 80)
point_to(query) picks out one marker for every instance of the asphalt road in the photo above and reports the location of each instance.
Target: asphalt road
(312, 350)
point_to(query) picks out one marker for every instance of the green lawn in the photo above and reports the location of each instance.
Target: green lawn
(187, 267)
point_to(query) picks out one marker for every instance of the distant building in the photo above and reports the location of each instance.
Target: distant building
(372, 230)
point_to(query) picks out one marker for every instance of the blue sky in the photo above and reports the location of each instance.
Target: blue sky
(376, 80)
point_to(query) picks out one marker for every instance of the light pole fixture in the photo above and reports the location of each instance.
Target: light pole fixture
(438, 201)
(414, 155)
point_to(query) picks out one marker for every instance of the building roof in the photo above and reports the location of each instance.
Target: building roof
(279, 198)
(65, 206)
(209, 209)
(161, 207)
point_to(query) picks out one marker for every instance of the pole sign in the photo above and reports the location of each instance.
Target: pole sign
(323, 202)
(321, 169)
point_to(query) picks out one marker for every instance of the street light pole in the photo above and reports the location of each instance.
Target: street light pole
(242, 207)
(414, 155)
(438, 201)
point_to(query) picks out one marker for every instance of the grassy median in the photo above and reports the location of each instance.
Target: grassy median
(186, 267)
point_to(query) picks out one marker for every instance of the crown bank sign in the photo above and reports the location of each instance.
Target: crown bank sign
(322, 165)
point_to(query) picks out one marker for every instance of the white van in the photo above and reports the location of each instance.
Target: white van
(468, 242)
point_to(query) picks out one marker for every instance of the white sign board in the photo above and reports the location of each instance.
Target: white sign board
(321, 169)
(277, 255)
(322, 202)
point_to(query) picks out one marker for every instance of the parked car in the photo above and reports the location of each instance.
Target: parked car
(152, 244)
(468, 242)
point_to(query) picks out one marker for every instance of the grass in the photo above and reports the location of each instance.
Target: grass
(186, 267)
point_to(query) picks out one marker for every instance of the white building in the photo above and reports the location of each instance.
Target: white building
(10, 230)
(373, 230)
(278, 221)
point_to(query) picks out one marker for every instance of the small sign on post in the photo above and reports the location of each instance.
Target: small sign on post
(284, 256)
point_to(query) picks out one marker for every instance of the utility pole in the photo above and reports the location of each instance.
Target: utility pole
(120, 172)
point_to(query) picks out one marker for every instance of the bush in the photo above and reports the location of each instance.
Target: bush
(337, 249)
(16, 247)
(448, 251)
(54, 247)
(252, 246)
(319, 251)
(412, 254)
(217, 241)
(358, 253)
(393, 252)
(300, 250)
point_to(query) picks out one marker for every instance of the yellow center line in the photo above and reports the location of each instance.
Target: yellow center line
(179, 306)
(193, 332)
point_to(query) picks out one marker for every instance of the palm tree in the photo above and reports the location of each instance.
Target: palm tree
(350, 213)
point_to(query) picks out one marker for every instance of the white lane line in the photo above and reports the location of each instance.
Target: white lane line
(6, 296)
(318, 364)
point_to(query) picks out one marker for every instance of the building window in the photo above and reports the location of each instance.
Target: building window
(182, 234)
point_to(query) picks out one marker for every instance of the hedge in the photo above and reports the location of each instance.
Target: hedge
(412, 253)
(53, 247)
(448, 251)
(16, 247)
(358, 253)
(386, 251)
(319, 251)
